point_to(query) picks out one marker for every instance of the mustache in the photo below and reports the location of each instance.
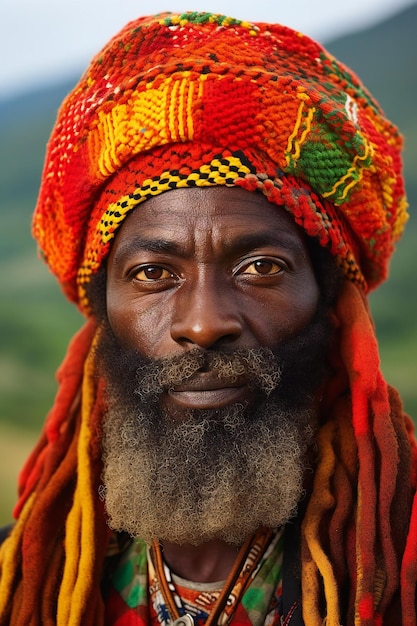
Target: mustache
(291, 370)
(258, 368)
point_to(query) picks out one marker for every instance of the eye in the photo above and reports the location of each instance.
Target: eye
(149, 273)
(262, 267)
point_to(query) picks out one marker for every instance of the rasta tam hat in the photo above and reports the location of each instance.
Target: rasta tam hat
(199, 99)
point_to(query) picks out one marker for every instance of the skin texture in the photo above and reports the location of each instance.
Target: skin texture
(213, 268)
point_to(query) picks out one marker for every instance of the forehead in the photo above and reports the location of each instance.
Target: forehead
(218, 213)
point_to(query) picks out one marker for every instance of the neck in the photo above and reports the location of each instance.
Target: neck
(205, 563)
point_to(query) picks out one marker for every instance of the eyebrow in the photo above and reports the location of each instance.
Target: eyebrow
(251, 241)
(149, 245)
(239, 244)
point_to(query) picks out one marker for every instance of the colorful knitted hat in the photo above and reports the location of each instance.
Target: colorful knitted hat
(201, 99)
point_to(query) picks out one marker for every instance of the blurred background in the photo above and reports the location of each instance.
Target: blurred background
(45, 45)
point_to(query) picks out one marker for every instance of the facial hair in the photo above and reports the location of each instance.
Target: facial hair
(209, 474)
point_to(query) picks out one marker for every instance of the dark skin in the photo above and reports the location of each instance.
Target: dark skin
(212, 268)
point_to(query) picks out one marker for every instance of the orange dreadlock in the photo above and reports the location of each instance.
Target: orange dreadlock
(199, 99)
(61, 524)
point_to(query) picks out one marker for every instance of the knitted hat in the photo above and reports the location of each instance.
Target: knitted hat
(200, 99)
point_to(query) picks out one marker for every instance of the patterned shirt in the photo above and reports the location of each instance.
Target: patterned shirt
(136, 598)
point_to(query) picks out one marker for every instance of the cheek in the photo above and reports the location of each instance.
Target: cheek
(143, 328)
(280, 316)
(306, 301)
(305, 304)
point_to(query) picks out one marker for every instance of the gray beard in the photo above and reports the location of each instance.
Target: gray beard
(221, 474)
(211, 475)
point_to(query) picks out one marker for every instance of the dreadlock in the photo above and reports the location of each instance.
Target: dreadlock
(198, 99)
(57, 545)
(350, 538)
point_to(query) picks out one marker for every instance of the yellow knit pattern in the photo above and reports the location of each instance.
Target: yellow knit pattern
(161, 114)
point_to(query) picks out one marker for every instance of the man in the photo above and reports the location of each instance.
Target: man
(218, 198)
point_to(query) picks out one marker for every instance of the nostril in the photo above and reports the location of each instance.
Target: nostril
(206, 335)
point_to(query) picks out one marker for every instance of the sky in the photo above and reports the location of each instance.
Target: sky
(42, 41)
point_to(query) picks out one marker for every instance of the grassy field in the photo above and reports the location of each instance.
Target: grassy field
(15, 446)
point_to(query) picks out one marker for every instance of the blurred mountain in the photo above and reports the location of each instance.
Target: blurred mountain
(384, 57)
(36, 322)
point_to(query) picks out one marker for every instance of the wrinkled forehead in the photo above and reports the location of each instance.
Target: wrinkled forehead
(223, 220)
(222, 223)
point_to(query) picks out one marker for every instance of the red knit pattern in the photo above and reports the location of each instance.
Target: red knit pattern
(189, 86)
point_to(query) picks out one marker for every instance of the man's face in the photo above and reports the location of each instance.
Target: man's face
(215, 268)
(213, 350)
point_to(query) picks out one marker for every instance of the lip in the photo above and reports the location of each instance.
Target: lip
(207, 391)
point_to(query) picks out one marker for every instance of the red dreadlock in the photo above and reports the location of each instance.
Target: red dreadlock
(349, 540)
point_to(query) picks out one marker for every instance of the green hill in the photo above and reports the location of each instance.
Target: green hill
(35, 320)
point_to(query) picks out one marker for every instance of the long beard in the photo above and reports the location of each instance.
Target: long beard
(217, 474)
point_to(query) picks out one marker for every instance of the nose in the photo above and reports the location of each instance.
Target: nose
(206, 315)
